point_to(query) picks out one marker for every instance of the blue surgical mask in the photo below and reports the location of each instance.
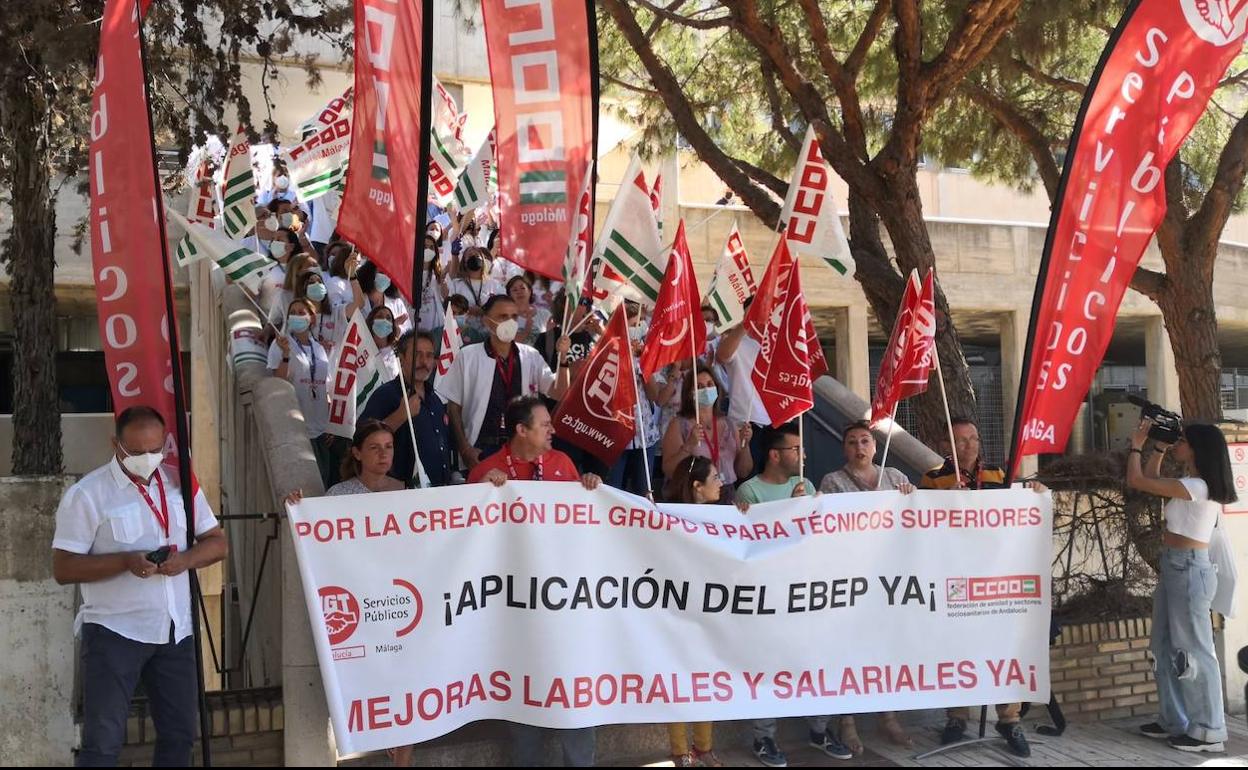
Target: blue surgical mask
(708, 396)
(298, 323)
(382, 327)
(317, 291)
(383, 282)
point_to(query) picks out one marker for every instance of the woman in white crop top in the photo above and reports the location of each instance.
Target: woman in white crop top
(1189, 683)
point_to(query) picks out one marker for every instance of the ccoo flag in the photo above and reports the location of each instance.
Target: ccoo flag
(732, 284)
(318, 163)
(355, 374)
(599, 412)
(812, 225)
(629, 243)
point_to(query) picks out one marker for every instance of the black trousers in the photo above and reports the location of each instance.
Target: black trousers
(112, 667)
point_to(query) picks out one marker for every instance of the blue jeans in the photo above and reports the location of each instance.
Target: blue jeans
(629, 472)
(112, 666)
(1189, 682)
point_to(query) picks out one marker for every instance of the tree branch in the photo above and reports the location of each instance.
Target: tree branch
(687, 122)
(1012, 120)
(842, 81)
(1148, 282)
(774, 103)
(1206, 225)
(858, 56)
(716, 22)
(763, 177)
(983, 24)
(1060, 83)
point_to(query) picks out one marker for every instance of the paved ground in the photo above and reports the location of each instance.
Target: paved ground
(1098, 744)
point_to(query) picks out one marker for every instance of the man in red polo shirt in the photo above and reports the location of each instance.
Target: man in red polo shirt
(527, 455)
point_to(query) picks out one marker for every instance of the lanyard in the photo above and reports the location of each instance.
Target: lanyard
(511, 468)
(713, 444)
(973, 479)
(311, 353)
(506, 373)
(162, 515)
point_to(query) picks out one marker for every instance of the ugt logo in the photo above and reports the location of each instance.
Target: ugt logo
(341, 613)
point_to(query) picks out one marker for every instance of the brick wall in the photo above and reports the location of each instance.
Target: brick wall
(246, 730)
(1102, 670)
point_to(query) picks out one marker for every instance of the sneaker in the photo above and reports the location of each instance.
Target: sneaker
(955, 730)
(1154, 730)
(684, 760)
(1186, 743)
(1015, 738)
(766, 752)
(707, 758)
(831, 745)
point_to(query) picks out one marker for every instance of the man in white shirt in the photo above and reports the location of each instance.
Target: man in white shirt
(121, 534)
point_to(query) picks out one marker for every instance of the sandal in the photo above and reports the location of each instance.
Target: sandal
(893, 730)
(849, 736)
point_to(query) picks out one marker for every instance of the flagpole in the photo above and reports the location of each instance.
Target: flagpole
(641, 426)
(887, 441)
(181, 433)
(411, 427)
(422, 171)
(953, 450)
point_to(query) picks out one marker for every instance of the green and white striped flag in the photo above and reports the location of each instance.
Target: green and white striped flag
(318, 163)
(356, 374)
(544, 187)
(240, 263)
(732, 283)
(814, 228)
(447, 152)
(629, 243)
(238, 195)
(478, 178)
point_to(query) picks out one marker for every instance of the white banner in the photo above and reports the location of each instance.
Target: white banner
(811, 222)
(546, 604)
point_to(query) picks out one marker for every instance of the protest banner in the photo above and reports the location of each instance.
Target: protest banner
(547, 604)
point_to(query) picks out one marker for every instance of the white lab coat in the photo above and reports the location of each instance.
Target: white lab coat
(471, 377)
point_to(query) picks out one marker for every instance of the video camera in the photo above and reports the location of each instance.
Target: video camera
(1167, 426)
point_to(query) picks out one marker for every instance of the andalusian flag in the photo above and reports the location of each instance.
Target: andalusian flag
(240, 263)
(732, 283)
(478, 178)
(629, 243)
(238, 194)
(543, 187)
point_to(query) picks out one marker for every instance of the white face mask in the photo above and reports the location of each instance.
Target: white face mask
(430, 256)
(507, 330)
(282, 182)
(277, 249)
(270, 223)
(286, 220)
(142, 466)
(710, 330)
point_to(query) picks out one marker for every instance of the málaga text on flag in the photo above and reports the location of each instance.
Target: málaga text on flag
(379, 207)
(811, 222)
(908, 359)
(478, 178)
(629, 241)
(732, 283)
(318, 163)
(599, 411)
(542, 75)
(240, 262)
(576, 607)
(354, 374)
(677, 330)
(238, 193)
(1154, 79)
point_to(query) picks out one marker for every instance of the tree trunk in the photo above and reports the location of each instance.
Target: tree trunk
(29, 259)
(1186, 302)
(902, 216)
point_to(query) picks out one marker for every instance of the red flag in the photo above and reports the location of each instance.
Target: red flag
(542, 74)
(380, 212)
(126, 236)
(599, 411)
(782, 374)
(677, 331)
(656, 198)
(908, 357)
(770, 291)
(1154, 79)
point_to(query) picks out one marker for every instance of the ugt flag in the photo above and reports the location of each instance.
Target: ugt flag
(599, 411)
(782, 372)
(676, 328)
(908, 357)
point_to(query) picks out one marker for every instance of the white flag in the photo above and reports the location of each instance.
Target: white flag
(241, 263)
(447, 151)
(732, 283)
(238, 195)
(576, 262)
(452, 344)
(354, 374)
(318, 164)
(811, 223)
(479, 178)
(630, 243)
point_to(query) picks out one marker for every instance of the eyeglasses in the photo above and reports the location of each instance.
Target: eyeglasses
(788, 448)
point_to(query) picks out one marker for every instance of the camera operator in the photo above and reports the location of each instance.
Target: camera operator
(1189, 683)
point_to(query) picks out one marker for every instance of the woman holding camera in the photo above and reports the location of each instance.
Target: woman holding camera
(1189, 683)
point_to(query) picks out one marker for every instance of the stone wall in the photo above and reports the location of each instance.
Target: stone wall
(36, 634)
(247, 730)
